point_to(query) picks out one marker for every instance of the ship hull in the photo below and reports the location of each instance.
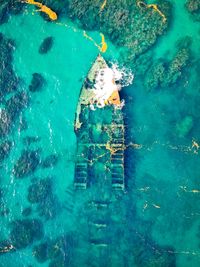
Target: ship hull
(100, 138)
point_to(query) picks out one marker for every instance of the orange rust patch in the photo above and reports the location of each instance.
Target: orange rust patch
(114, 98)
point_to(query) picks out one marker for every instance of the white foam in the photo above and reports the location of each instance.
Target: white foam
(123, 75)
(105, 83)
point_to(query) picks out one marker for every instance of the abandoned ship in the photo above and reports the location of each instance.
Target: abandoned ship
(99, 127)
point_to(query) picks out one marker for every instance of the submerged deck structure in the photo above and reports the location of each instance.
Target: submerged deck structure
(99, 127)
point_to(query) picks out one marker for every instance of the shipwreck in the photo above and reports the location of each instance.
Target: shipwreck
(99, 128)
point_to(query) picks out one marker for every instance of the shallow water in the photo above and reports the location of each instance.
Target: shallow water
(159, 214)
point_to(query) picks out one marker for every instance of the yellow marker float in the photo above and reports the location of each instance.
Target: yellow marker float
(154, 6)
(52, 15)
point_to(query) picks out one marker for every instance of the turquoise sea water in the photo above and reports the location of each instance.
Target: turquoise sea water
(158, 217)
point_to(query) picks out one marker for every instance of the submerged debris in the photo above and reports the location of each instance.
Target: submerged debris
(6, 246)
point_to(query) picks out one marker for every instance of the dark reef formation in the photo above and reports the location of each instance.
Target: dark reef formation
(193, 6)
(16, 104)
(5, 123)
(37, 82)
(9, 83)
(25, 232)
(4, 210)
(12, 110)
(26, 164)
(5, 148)
(59, 251)
(46, 45)
(41, 252)
(40, 192)
(126, 23)
(28, 140)
(149, 254)
(8, 79)
(164, 73)
(27, 211)
(9, 7)
(50, 161)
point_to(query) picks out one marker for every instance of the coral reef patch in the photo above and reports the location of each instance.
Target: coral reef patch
(59, 250)
(164, 73)
(5, 148)
(25, 232)
(193, 7)
(125, 23)
(16, 104)
(39, 190)
(26, 164)
(8, 79)
(9, 7)
(41, 193)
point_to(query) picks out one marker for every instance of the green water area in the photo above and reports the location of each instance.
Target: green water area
(153, 220)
